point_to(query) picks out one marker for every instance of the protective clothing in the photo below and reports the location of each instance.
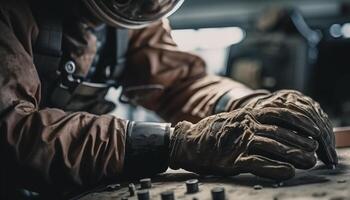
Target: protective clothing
(132, 13)
(296, 103)
(245, 141)
(47, 148)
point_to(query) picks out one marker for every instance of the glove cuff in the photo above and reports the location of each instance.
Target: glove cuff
(229, 101)
(176, 140)
(147, 148)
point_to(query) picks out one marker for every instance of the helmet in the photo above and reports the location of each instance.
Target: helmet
(132, 13)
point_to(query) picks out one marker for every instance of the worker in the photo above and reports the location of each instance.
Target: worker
(59, 58)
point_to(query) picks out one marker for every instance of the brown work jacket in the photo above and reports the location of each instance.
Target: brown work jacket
(44, 147)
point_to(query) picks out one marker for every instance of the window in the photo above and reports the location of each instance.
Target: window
(209, 43)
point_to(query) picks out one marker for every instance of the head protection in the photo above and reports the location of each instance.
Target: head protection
(132, 13)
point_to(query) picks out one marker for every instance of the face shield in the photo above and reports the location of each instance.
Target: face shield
(132, 13)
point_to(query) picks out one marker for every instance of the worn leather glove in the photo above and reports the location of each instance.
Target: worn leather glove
(245, 141)
(295, 102)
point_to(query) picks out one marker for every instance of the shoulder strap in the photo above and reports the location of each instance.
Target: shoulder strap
(48, 47)
(122, 43)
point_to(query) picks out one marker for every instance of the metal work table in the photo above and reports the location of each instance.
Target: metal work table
(317, 183)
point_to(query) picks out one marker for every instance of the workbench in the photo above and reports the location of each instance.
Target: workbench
(317, 183)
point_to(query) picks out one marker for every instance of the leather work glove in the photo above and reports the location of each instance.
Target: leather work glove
(298, 102)
(246, 141)
(294, 102)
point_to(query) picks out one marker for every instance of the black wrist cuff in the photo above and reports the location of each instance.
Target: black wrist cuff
(226, 101)
(147, 148)
(223, 103)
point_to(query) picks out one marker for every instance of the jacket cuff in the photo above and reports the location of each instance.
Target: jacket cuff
(147, 148)
(229, 100)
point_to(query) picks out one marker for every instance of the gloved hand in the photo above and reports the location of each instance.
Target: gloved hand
(298, 103)
(245, 141)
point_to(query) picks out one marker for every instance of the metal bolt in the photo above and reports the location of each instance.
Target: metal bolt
(143, 195)
(277, 184)
(168, 195)
(192, 186)
(341, 181)
(218, 193)
(113, 187)
(258, 187)
(69, 67)
(146, 183)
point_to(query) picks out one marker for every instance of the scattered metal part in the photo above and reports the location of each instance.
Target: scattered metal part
(168, 195)
(258, 187)
(113, 187)
(192, 186)
(146, 183)
(143, 195)
(341, 181)
(218, 193)
(319, 194)
(124, 198)
(132, 189)
(278, 184)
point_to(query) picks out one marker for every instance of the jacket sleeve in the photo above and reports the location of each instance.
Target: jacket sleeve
(47, 148)
(182, 90)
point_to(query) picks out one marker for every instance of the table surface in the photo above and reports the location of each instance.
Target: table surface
(317, 183)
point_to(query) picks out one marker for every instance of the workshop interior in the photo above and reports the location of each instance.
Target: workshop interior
(272, 45)
(268, 46)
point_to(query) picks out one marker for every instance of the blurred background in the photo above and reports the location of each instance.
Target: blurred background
(271, 44)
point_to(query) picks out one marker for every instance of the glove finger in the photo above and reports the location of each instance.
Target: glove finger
(297, 102)
(288, 119)
(277, 151)
(315, 113)
(312, 109)
(327, 154)
(266, 168)
(287, 137)
(326, 151)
